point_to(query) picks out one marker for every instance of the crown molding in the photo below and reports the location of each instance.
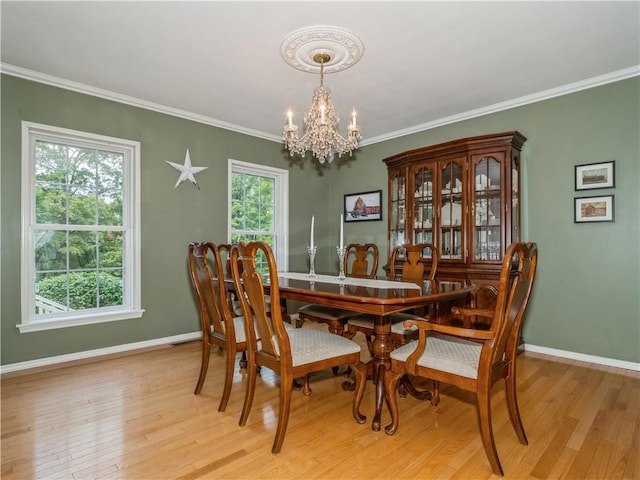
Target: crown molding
(133, 101)
(498, 107)
(514, 103)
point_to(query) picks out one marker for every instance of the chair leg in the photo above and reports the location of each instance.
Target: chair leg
(391, 380)
(306, 389)
(486, 430)
(337, 328)
(514, 411)
(360, 370)
(407, 386)
(204, 365)
(283, 413)
(243, 360)
(435, 395)
(228, 379)
(252, 370)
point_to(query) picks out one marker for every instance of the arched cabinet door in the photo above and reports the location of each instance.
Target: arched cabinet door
(451, 241)
(513, 187)
(423, 180)
(488, 207)
(397, 207)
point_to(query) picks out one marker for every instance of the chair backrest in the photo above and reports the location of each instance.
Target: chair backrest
(207, 277)
(224, 249)
(514, 289)
(356, 263)
(250, 290)
(416, 259)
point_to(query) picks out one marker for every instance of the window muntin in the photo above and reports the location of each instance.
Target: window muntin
(80, 207)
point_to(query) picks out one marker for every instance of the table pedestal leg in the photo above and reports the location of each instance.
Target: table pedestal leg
(382, 347)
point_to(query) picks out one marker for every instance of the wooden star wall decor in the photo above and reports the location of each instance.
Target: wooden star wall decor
(187, 171)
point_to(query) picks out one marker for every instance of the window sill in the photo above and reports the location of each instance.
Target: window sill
(64, 322)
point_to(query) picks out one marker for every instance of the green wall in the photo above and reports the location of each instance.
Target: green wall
(171, 218)
(587, 292)
(586, 297)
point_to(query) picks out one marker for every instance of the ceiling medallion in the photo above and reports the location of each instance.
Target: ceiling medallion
(301, 46)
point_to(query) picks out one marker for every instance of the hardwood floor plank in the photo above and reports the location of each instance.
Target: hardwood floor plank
(135, 416)
(554, 449)
(632, 470)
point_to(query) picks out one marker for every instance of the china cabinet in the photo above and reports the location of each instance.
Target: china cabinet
(464, 197)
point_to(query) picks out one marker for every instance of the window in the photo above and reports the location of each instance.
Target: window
(81, 228)
(258, 207)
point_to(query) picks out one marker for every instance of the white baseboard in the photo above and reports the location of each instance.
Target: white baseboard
(187, 337)
(583, 357)
(42, 362)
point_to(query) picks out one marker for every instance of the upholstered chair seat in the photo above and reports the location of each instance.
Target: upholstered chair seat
(445, 353)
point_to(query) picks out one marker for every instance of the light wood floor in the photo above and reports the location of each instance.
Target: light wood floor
(136, 417)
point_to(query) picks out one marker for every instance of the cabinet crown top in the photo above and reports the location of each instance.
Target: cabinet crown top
(512, 139)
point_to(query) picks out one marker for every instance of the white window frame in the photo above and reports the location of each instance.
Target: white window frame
(281, 210)
(131, 308)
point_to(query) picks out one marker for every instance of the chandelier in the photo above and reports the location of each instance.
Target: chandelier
(318, 48)
(321, 136)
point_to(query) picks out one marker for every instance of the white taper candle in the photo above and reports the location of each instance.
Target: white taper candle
(311, 239)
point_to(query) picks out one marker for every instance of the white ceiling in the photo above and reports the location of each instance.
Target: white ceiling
(424, 63)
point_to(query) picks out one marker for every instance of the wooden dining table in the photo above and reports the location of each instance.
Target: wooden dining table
(380, 298)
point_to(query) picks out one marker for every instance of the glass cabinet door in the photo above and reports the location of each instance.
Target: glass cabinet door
(487, 206)
(398, 211)
(423, 190)
(451, 239)
(515, 207)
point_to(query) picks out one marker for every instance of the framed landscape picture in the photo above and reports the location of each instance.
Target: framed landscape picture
(363, 207)
(594, 209)
(595, 175)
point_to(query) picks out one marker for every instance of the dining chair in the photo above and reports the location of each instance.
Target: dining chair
(417, 260)
(473, 359)
(218, 325)
(360, 260)
(290, 353)
(357, 257)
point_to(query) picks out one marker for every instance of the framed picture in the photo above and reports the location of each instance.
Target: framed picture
(363, 207)
(595, 175)
(594, 209)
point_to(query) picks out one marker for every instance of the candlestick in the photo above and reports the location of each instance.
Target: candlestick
(290, 115)
(341, 251)
(311, 244)
(341, 230)
(312, 256)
